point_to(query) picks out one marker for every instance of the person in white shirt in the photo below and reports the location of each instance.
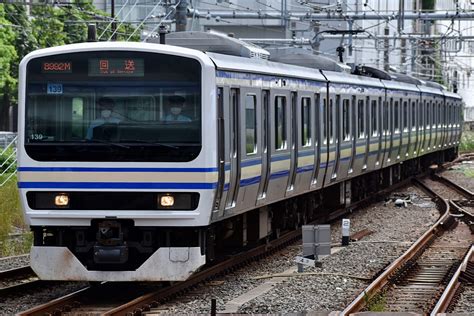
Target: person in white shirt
(106, 106)
(176, 103)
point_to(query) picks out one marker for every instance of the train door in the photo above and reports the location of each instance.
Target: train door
(330, 140)
(293, 143)
(386, 125)
(420, 127)
(434, 125)
(305, 142)
(280, 109)
(337, 135)
(353, 112)
(234, 152)
(221, 157)
(265, 149)
(379, 120)
(428, 118)
(346, 142)
(320, 158)
(366, 133)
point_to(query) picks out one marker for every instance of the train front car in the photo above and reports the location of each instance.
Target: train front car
(117, 160)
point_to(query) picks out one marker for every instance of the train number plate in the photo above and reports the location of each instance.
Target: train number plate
(55, 88)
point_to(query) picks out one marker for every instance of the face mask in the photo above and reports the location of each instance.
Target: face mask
(175, 110)
(106, 113)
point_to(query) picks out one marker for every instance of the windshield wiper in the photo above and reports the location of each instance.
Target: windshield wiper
(149, 142)
(95, 140)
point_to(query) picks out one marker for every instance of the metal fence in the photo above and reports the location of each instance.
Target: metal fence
(7, 157)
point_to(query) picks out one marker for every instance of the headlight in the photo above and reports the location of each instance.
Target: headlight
(61, 200)
(166, 200)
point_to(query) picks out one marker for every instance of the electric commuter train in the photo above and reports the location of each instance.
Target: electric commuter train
(120, 183)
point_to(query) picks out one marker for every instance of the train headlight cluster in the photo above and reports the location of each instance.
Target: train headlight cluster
(166, 201)
(61, 200)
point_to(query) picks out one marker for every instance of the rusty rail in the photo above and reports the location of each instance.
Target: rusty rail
(461, 190)
(359, 303)
(453, 285)
(153, 299)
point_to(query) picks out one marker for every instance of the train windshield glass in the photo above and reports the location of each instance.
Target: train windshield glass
(113, 106)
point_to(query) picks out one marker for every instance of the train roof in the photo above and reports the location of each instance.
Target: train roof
(261, 66)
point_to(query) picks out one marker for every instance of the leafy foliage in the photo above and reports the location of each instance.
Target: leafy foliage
(47, 26)
(8, 54)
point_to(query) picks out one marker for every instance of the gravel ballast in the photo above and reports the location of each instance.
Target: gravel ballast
(394, 229)
(9, 263)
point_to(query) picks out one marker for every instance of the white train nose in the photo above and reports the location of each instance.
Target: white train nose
(166, 264)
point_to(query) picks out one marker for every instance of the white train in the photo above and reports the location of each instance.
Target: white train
(144, 162)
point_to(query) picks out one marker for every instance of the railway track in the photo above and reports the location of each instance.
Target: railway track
(106, 299)
(464, 274)
(416, 280)
(17, 280)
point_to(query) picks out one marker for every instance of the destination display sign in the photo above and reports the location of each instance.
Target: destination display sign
(116, 67)
(56, 67)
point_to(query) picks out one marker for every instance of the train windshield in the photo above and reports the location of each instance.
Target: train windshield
(113, 106)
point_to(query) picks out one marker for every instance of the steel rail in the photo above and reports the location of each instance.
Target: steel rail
(16, 272)
(461, 190)
(453, 285)
(153, 299)
(56, 306)
(381, 281)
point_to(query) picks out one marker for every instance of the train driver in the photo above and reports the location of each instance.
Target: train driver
(106, 107)
(176, 105)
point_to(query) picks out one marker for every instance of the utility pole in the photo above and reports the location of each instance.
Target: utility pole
(114, 25)
(180, 16)
(403, 42)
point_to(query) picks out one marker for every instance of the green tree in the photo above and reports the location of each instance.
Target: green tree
(47, 26)
(7, 57)
(24, 40)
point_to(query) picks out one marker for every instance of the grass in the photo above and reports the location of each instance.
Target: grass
(467, 141)
(11, 221)
(376, 303)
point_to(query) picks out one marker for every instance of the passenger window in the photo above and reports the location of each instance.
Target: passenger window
(324, 120)
(250, 124)
(433, 118)
(280, 122)
(420, 114)
(330, 124)
(396, 115)
(413, 115)
(428, 115)
(405, 115)
(373, 115)
(305, 122)
(360, 119)
(316, 120)
(385, 117)
(346, 119)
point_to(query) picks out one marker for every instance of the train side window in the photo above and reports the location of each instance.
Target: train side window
(413, 116)
(331, 123)
(385, 117)
(317, 110)
(280, 122)
(396, 115)
(405, 116)
(373, 115)
(324, 120)
(305, 122)
(428, 115)
(440, 115)
(360, 119)
(250, 124)
(420, 114)
(346, 119)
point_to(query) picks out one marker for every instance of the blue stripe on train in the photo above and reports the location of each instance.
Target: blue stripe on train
(116, 185)
(94, 169)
